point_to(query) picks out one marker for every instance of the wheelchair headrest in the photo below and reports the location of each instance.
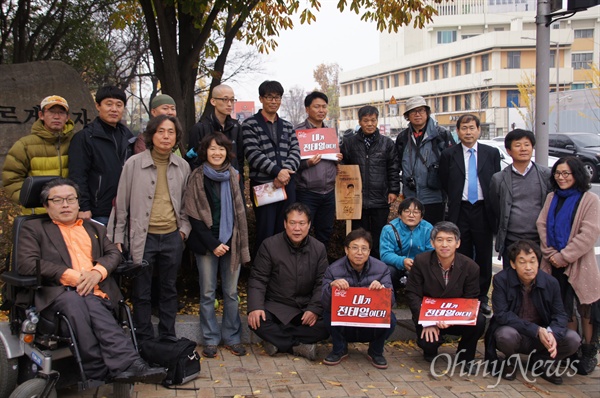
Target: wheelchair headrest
(31, 190)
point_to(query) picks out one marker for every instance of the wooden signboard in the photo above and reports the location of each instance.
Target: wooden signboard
(348, 193)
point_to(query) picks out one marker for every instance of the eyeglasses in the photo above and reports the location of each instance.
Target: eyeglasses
(299, 223)
(271, 98)
(56, 113)
(356, 249)
(422, 111)
(414, 212)
(57, 200)
(227, 100)
(563, 174)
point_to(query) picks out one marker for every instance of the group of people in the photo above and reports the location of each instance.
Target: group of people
(156, 196)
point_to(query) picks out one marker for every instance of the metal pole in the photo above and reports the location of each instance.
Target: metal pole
(557, 89)
(542, 81)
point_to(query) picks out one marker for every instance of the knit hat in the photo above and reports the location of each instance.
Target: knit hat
(415, 102)
(54, 100)
(162, 99)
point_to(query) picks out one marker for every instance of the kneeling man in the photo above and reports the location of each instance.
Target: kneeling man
(529, 317)
(444, 273)
(357, 269)
(284, 288)
(76, 259)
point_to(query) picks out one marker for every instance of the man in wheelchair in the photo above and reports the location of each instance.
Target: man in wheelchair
(76, 259)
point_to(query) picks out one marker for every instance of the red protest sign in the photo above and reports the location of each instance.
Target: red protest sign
(318, 142)
(361, 307)
(454, 311)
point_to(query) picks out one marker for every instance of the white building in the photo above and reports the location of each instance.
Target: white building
(470, 59)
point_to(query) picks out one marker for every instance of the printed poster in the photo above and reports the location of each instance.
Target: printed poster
(361, 307)
(322, 142)
(348, 193)
(265, 194)
(454, 311)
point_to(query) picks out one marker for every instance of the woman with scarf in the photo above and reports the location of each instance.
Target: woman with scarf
(219, 238)
(569, 225)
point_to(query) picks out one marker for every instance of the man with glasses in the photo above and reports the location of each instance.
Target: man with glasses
(223, 100)
(44, 151)
(273, 153)
(284, 288)
(419, 147)
(76, 259)
(357, 269)
(518, 193)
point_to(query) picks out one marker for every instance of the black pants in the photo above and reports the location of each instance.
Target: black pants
(105, 348)
(434, 212)
(284, 337)
(468, 340)
(476, 242)
(373, 220)
(342, 335)
(322, 212)
(269, 218)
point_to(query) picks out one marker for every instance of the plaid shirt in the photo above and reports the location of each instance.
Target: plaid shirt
(446, 272)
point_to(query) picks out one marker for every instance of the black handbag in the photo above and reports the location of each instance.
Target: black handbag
(178, 355)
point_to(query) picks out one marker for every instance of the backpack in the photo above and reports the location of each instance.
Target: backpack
(179, 356)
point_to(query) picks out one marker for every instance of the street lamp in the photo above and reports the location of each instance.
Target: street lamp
(557, 79)
(383, 107)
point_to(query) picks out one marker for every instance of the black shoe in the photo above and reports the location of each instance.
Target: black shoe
(552, 378)
(485, 309)
(378, 360)
(237, 349)
(140, 371)
(308, 351)
(209, 351)
(269, 348)
(509, 372)
(429, 357)
(334, 359)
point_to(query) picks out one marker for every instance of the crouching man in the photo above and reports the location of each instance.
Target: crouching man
(529, 317)
(76, 259)
(357, 269)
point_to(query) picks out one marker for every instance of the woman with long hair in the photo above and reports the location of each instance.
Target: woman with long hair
(569, 225)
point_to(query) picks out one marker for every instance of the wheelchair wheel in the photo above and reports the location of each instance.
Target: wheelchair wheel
(32, 389)
(9, 370)
(122, 390)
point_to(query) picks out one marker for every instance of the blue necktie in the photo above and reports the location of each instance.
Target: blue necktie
(472, 188)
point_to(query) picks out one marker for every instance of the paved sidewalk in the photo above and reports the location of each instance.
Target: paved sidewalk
(258, 375)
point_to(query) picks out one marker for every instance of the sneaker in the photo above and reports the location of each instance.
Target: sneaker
(308, 351)
(378, 361)
(237, 349)
(209, 351)
(269, 348)
(334, 359)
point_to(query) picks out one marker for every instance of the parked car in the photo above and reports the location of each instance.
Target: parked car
(585, 146)
(505, 158)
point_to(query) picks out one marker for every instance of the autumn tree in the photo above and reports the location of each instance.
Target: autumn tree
(327, 76)
(292, 105)
(527, 92)
(184, 34)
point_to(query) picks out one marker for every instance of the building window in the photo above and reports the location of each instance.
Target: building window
(370, 85)
(406, 78)
(467, 101)
(468, 66)
(484, 97)
(553, 58)
(512, 99)
(446, 36)
(457, 68)
(581, 60)
(396, 80)
(444, 104)
(436, 104)
(464, 37)
(514, 59)
(580, 86)
(458, 103)
(436, 72)
(417, 75)
(485, 62)
(445, 70)
(584, 33)
(424, 74)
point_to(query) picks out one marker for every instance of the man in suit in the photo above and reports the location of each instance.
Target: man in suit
(444, 273)
(76, 259)
(466, 171)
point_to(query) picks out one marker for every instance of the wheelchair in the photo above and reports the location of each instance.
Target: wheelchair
(34, 351)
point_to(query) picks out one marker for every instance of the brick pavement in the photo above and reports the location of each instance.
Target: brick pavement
(258, 375)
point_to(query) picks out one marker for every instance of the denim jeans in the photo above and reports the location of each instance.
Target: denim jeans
(163, 252)
(322, 212)
(209, 267)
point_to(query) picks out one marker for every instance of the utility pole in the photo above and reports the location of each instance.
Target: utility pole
(542, 80)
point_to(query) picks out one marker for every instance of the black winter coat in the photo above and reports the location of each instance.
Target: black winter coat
(379, 168)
